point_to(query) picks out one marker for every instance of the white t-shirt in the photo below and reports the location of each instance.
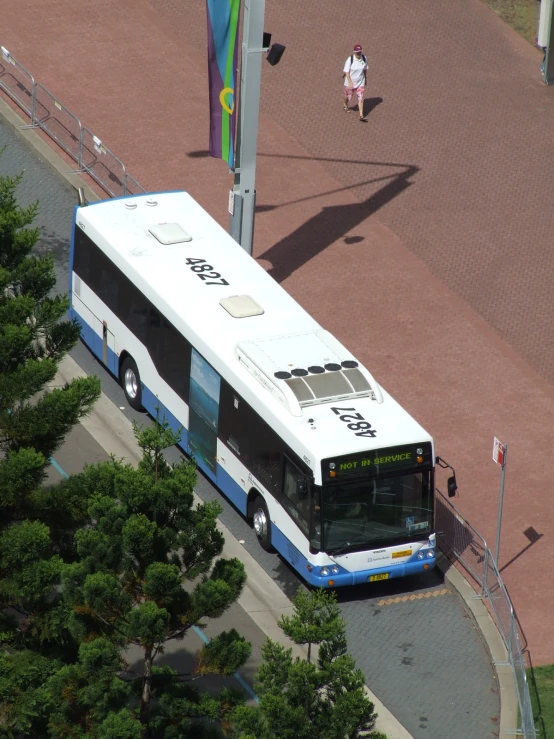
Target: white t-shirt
(356, 71)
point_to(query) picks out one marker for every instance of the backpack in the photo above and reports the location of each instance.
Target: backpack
(352, 59)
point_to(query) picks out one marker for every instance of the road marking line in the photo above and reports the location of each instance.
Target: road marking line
(413, 596)
(57, 467)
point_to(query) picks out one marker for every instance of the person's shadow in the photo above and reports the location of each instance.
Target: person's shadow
(369, 105)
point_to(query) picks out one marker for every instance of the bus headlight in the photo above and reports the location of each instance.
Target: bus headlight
(420, 554)
(430, 553)
(324, 571)
(335, 570)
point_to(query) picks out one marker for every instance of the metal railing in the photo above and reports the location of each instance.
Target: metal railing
(460, 541)
(47, 113)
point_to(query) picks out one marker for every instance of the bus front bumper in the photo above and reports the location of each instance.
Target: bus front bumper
(344, 578)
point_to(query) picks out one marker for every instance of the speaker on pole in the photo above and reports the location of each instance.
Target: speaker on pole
(275, 53)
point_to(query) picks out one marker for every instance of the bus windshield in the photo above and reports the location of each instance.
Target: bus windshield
(376, 512)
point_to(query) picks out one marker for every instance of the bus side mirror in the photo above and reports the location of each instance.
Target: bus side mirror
(452, 486)
(301, 489)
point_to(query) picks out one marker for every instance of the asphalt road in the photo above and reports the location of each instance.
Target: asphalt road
(414, 639)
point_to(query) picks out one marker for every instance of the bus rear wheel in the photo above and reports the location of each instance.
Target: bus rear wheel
(262, 523)
(130, 382)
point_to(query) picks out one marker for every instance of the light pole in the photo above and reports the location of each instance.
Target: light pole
(545, 39)
(242, 200)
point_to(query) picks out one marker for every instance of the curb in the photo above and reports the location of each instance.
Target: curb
(499, 655)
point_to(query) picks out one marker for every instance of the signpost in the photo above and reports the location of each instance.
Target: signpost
(499, 455)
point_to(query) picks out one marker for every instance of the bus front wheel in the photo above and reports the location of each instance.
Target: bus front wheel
(130, 382)
(262, 524)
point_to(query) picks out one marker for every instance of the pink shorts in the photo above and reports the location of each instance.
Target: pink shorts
(349, 91)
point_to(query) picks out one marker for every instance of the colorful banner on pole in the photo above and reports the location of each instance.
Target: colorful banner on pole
(223, 27)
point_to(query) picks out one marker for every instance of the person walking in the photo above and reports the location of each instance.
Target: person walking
(355, 77)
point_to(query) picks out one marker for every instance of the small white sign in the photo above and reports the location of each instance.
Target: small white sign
(498, 451)
(232, 202)
(98, 145)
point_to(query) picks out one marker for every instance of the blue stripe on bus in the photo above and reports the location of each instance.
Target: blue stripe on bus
(88, 334)
(71, 252)
(231, 489)
(151, 403)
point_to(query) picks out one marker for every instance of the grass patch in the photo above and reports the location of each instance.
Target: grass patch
(541, 687)
(521, 15)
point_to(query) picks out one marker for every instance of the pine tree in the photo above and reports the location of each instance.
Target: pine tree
(23, 674)
(86, 697)
(316, 619)
(143, 541)
(300, 699)
(34, 338)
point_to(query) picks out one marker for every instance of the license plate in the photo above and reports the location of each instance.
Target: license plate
(375, 578)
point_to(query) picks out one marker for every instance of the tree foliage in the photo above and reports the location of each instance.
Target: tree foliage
(300, 699)
(34, 338)
(34, 420)
(316, 619)
(143, 541)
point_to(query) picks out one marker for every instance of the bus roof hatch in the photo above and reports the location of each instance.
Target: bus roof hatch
(169, 233)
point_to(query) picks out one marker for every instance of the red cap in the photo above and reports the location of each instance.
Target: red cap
(357, 48)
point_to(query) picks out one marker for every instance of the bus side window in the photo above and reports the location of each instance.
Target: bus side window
(296, 501)
(249, 437)
(234, 422)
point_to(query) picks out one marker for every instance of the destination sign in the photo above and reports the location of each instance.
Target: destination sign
(378, 461)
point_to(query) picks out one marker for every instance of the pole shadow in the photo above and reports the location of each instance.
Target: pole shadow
(533, 537)
(330, 225)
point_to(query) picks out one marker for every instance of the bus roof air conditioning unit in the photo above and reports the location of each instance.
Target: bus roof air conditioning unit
(309, 368)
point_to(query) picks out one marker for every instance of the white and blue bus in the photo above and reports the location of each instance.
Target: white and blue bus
(277, 413)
